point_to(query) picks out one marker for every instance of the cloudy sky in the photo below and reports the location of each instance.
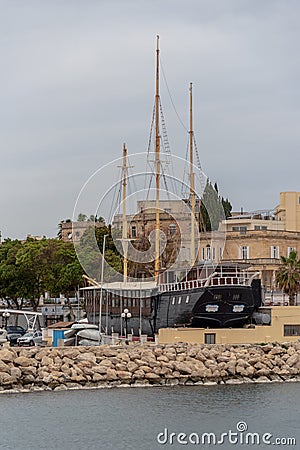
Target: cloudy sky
(77, 80)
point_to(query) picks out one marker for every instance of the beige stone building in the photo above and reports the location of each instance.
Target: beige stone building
(175, 219)
(73, 231)
(259, 238)
(283, 327)
(288, 211)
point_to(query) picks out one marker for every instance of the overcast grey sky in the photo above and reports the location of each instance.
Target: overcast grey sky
(77, 80)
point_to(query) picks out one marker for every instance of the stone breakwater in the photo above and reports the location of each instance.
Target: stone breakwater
(32, 369)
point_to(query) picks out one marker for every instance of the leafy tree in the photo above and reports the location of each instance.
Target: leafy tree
(213, 208)
(59, 232)
(28, 270)
(81, 217)
(12, 277)
(227, 207)
(100, 219)
(31, 260)
(90, 248)
(288, 276)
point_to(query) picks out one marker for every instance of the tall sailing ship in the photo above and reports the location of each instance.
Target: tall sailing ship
(202, 295)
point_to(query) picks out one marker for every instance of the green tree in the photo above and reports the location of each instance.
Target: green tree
(31, 261)
(12, 277)
(59, 231)
(29, 269)
(89, 252)
(213, 208)
(288, 276)
(227, 207)
(81, 217)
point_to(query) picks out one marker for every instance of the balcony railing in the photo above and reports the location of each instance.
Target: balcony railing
(215, 279)
(258, 261)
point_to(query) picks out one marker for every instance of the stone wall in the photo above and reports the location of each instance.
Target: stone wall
(86, 367)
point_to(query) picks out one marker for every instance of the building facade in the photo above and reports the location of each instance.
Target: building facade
(73, 231)
(259, 238)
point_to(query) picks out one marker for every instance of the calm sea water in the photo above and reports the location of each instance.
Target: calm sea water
(133, 418)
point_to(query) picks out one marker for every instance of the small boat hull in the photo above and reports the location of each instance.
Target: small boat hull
(90, 334)
(84, 326)
(70, 341)
(70, 333)
(87, 342)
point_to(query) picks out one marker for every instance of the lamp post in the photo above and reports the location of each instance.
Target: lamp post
(126, 315)
(6, 316)
(101, 293)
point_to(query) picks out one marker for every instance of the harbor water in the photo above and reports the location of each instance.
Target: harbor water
(153, 418)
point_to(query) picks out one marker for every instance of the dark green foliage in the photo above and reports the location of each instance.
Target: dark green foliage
(288, 276)
(89, 251)
(29, 269)
(214, 208)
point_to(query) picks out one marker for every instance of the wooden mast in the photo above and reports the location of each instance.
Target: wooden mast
(157, 163)
(124, 225)
(192, 180)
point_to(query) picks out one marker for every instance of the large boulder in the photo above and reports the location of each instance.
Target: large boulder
(7, 379)
(24, 362)
(7, 355)
(87, 358)
(293, 359)
(4, 367)
(124, 375)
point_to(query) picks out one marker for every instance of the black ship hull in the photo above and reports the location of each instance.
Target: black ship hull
(201, 307)
(213, 306)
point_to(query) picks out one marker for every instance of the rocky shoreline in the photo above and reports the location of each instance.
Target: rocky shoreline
(39, 369)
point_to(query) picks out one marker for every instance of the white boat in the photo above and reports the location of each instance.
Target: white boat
(83, 326)
(91, 334)
(87, 342)
(70, 333)
(70, 341)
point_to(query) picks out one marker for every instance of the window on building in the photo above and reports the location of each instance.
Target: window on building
(209, 338)
(173, 301)
(289, 250)
(274, 251)
(244, 250)
(208, 255)
(187, 299)
(291, 330)
(242, 229)
(183, 253)
(203, 253)
(133, 231)
(172, 229)
(179, 300)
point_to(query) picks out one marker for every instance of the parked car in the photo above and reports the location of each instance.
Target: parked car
(13, 333)
(31, 338)
(15, 329)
